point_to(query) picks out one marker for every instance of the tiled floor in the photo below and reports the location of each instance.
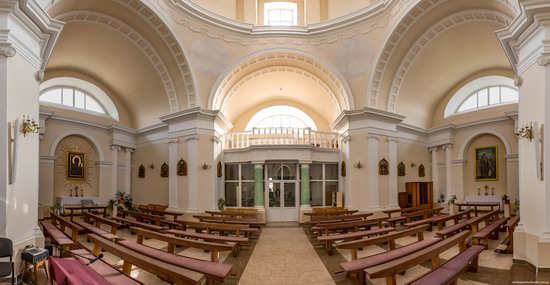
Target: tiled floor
(286, 254)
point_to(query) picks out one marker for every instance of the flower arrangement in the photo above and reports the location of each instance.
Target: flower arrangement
(57, 209)
(452, 200)
(121, 201)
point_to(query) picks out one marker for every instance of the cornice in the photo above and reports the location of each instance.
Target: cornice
(184, 12)
(367, 113)
(190, 114)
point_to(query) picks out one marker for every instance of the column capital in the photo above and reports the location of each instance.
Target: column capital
(305, 163)
(191, 137)
(7, 51)
(115, 147)
(259, 166)
(130, 150)
(373, 137)
(432, 149)
(447, 146)
(392, 139)
(172, 140)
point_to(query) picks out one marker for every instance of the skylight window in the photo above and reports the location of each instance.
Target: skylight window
(280, 14)
(72, 97)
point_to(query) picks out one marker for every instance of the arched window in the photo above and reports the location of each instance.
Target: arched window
(281, 117)
(280, 14)
(77, 94)
(482, 93)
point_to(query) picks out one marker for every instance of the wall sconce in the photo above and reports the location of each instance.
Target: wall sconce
(152, 166)
(205, 166)
(526, 132)
(413, 165)
(29, 126)
(358, 165)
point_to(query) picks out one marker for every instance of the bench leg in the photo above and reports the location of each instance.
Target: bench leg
(126, 268)
(215, 256)
(97, 249)
(473, 265)
(390, 280)
(330, 248)
(171, 248)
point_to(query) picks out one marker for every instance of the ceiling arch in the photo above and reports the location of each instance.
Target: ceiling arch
(301, 64)
(405, 28)
(440, 27)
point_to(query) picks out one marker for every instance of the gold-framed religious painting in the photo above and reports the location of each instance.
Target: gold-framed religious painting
(76, 166)
(486, 163)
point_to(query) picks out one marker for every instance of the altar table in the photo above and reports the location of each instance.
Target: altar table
(485, 199)
(67, 200)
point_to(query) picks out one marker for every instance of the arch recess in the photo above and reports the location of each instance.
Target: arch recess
(475, 135)
(92, 140)
(299, 62)
(417, 12)
(431, 34)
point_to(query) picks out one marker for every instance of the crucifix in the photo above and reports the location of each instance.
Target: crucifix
(486, 187)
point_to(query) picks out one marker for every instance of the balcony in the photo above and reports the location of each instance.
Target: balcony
(281, 136)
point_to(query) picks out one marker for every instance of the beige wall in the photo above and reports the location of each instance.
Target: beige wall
(226, 8)
(152, 188)
(61, 184)
(413, 153)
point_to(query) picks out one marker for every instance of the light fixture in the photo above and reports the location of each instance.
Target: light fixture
(413, 165)
(358, 165)
(205, 166)
(526, 132)
(29, 126)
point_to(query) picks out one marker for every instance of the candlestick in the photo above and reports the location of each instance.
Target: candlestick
(492, 190)
(478, 190)
(71, 192)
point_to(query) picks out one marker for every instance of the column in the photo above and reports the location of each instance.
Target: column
(448, 171)
(173, 156)
(435, 173)
(392, 161)
(259, 185)
(372, 184)
(192, 172)
(114, 169)
(128, 171)
(305, 194)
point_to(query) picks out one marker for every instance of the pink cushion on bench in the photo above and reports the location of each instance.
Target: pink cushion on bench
(217, 270)
(210, 237)
(490, 228)
(450, 270)
(373, 260)
(353, 235)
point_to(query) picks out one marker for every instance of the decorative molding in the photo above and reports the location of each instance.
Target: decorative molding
(431, 34)
(115, 147)
(198, 20)
(518, 81)
(226, 81)
(301, 72)
(459, 162)
(133, 36)
(7, 51)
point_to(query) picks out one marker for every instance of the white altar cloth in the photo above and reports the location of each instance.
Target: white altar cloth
(485, 199)
(67, 200)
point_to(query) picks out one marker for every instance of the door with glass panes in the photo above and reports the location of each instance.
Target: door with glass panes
(281, 194)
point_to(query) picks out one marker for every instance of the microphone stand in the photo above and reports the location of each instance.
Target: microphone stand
(90, 260)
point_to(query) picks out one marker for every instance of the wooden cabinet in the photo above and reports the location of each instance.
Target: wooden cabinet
(419, 194)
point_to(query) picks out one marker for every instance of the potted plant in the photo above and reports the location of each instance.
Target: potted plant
(516, 206)
(57, 209)
(221, 204)
(121, 201)
(506, 199)
(451, 203)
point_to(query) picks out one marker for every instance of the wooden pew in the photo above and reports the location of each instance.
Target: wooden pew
(334, 213)
(173, 241)
(449, 272)
(217, 227)
(335, 219)
(165, 270)
(507, 245)
(426, 218)
(391, 268)
(482, 236)
(329, 240)
(401, 211)
(158, 212)
(476, 205)
(229, 220)
(88, 217)
(63, 225)
(342, 226)
(139, 224)
(389, 238)
(107, 271)
(56, 236)
(470, 223)
(442, 220)
(237, 240)
(142, 217)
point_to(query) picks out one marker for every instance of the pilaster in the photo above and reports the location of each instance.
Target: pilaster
(372, 184)
(392, 161)
(114, 169)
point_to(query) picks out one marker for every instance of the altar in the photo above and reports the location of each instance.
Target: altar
(68, 200)
(485, 199)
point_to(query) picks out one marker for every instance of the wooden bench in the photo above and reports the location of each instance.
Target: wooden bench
(63, 225)
(167, 271)
(336, 219)
(471, 223)
(401, 211)
(139, 224)
(213, 271)
(330, 239)
(482, 236)
(341, 226)
(355, 267)
(476, 205)
(422, 214)
(392, 222)
(108, 272)
(389, 269)
(217, 227)
(389, 238)
(159, 212)
(142, 217)
(56, 236)
(209, 237)
(507, 245)
(88, 217)
(449, 272)
(173, 241)
(442, 220)
(230, 220)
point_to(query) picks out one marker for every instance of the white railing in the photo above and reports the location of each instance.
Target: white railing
(281, 136)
